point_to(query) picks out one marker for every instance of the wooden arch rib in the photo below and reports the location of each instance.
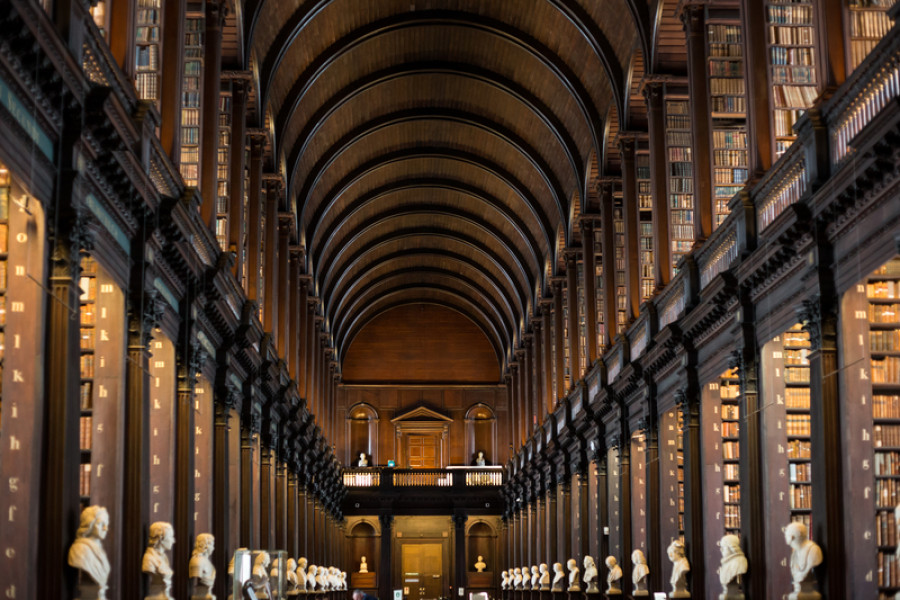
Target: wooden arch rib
(471, 312)
(351, 288)
(332, 261)
(351, 91)
(292, 28)
(329, 236)
(534, 208)
(493, 261)
(500, 311)
(529, 153)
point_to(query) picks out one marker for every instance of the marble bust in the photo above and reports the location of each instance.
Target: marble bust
(517, 578)
(639, 574)
(558, 577)
(290, 578)
(156, 563)
(480, 460)
(311, 578)
(200, 568)
(590, 575)
(259, 577)
(363, 567)
(479, 564)
(344, 580)
(504, 580)
(87, 554)
(322, 578)
(574, 586)
(363, 460)
(805, 556)
(301, 574)
(680, 569)
(613, 587)
(732, 566)
(545, 577)
(526, 578)
(535, 577)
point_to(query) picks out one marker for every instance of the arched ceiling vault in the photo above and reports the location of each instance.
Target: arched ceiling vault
(433, 148)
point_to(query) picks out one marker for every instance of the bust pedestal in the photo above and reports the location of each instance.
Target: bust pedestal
(158, 588)
(732, 591)
(88, 589)
(202, 592)
(680, 594)
(613, 593)
(805, 590)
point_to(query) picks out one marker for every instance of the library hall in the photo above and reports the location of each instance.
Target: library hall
(436, 299)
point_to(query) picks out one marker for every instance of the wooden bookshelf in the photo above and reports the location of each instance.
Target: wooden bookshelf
(192, 87)
(567, 366)
(582, 317)
(222, 166)
(598, 282)
(148, 41)
(88, 317)
(728, 117)
(614, 489)
(639, 533)
(4, 267)
(797, 422)
(619, 240)
(793, 81)
(645, 225)
(679, 445)
(679, 156)
(867, 23)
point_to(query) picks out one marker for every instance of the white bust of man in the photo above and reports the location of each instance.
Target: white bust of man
(613, 587)
(504, 580)
(680, 569)
(545, 576)
(574, 586)
(290, 578)
(590, 575)
(363, 567)
(805, 556)
(517, 578)
(480, 565)
(479, 460)
(87, 554)
(535, 577)
(558, 577)
(301, 574)
(733, 565)
(363, 460)
(639, 573)
(526, 578)
(156, 562)
(201, 569)
(311, 582)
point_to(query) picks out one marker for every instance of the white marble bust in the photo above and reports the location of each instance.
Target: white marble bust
(504, 580)
(344, 580)
(200, 568)
(290, 578)
(526, 578)
(517, 578)
(805, 556)
(363, 567)
(574, 586)
(680, 569)
(614, 577)
(480, 460)
(301, 574)
(590, 575)
(558, 578)
(156, 563)
(639, 574)
(322, 578)
(363, 460)
(480, 565)
(535, 577)
(87, 554)
(732, 566)
(259, 577)
(545, 577)
(311, 582)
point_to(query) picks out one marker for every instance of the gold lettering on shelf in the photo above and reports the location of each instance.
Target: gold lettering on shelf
(865, 464)
(102, 391)
(12, 513)
(10, 552)
(13, 484)
(20, 271)
(155, 507)
(17, 307)
(14, 443)
(863, 376)
(99, 470)
(15, 411)
(17, 339)
(17, 376)
(155, 462)
(106, 288)
(22, 237)
(865, 435)
(11, 591)
(104, 335)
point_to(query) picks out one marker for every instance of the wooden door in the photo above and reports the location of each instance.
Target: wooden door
(422, 451)
(422, 568)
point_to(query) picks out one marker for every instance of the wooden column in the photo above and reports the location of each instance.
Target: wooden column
(59, 497)
(184, 472)
(609, 262)
(625, 505)
(527, 402)
(459, 545)
(509, 380)
(602, 508)
(209, 119)
(292, 358)
(651, 453)
(291, 531)
(575, 373)
(302, 327)
(272, 258)
(244, 235)
(285, 228)
(547, 354)
(539, 533)
(693, 18)
(249, 509)
(121, 35)
(282, 530)
(516, 416)
(831, 56)
(560, 380)
(553, 548)
(267, 469)
(309, 345)
(584, 520)
(172, 73)
(760, 150)
(627, 147)
(222, 518)
(654, 92)
(590, 288)
(693, 489)
(564, 515)
(537, 373)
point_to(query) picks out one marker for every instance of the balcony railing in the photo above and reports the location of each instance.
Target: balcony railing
(455, 477)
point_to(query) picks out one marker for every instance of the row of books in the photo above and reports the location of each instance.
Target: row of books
(724, 34)
(730, 176)
(784, 123)
(887, 463)
(888, 571)
(883, 290)
(87, 338)
(731, 494)
(681, 217)
(887, 492)
(794, 96)
(87, 366)
(886, 436)
(886, 406)
(797, 425)
(730, 139)
(796, 375)
(882, 340)
(792, 13)
(729, 392)
(797, 397)
(787, 73)
(678, 138)
(798, 449)
(731, 450)
(885, 528)
(86, 431)
(869, 24)
(84, 393)
(730, 411)
(800, 472)
(801, 496)
(147, 85)
(735, 105)
(884, 313)
(729, 429)
(888, 269)
(794, 36)
(190, 117)
(682, 167)
(726, 68)
(681, 185)
(147, 57)
(84, 484)
(792, 57)
(796, 356)
(886, 370)
(732, 516)
(731, 472)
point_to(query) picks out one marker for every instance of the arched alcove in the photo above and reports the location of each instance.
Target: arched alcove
(481, 433)
(480, 541)
(363, 541)
(362, 434)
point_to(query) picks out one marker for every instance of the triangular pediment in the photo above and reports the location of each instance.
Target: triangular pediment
(422, 413)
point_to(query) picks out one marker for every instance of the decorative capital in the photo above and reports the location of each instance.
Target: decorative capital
(809, 313)
(386, 520)
(643, 425)
(735, 360)
(459, 519)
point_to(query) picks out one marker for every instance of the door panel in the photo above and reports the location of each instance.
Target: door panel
(421, 568)
(422, 451)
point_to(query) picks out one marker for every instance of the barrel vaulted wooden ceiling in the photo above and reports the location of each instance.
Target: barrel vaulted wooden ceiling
(435, 151)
